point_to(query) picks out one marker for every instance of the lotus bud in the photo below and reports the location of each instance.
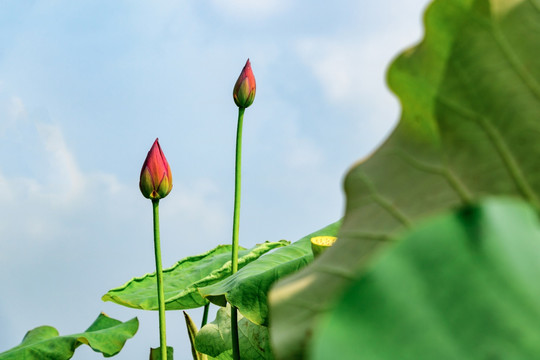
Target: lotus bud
(156, 177)
(244, 89)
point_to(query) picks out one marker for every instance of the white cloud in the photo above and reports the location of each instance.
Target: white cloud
(68, 181)
(351, 74)
(352, 71)
(17, 109)
(250, 9)
(36, 211)
(12, 110)
(301, 152)
(61, 201)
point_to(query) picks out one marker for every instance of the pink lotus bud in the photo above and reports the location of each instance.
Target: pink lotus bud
(156, 177)
(244, 89)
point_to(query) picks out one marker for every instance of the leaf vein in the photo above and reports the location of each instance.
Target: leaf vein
(445, 172)
(506, 155)
(515, 62)
(385, 203)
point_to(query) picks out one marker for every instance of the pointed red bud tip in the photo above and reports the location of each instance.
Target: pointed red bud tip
(156, 177)
(244, 89)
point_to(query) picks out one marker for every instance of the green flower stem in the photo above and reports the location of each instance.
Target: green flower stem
(236, 226)
(159, 274)
(237, 186)
(234, 332)
(205, 315)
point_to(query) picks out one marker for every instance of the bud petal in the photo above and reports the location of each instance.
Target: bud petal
(146, 183)
(244, 89)
(156, 177)
(164, 189)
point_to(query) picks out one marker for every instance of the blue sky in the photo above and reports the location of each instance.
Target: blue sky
(85, 88)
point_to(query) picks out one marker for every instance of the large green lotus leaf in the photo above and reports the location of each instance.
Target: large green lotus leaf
(248, 288)
(214, 338)
(182, 280)
(106, 335)
(463, 285)
(470, 94)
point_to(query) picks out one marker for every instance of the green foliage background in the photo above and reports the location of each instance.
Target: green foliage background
(470, 93)
(463, 285)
